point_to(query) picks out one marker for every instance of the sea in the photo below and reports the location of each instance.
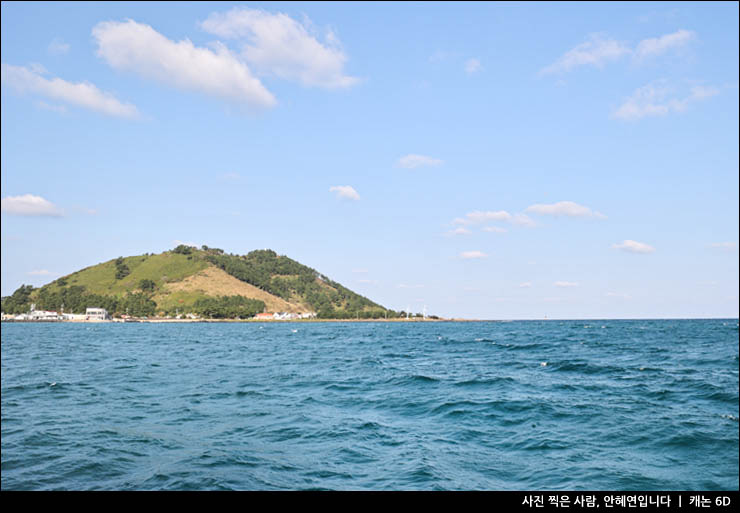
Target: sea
(522, 405)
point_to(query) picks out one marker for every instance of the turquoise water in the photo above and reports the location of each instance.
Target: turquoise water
(596, 405)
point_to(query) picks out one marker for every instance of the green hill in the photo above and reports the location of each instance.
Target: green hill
(205, 281)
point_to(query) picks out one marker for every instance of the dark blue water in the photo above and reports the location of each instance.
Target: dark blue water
(610, 405)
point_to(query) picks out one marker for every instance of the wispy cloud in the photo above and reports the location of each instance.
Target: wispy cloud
(727, 246)
(618, 295)
(523, 220)
(61, 109)
(40, 272)
(564, 208)
(479, 216)
(659, 45)
(494, 229)
(485, 216)
(279, 45)
(467, 255)
(660, 99)
(525, 285)
(597, 51)
(31, 206)
(81, 94)
(472, 66)
(345, 191)
(407, 286)
(412, 161)
(58, 47)
(634, 247)
(565, 284)
(138, 48)
(459, 231)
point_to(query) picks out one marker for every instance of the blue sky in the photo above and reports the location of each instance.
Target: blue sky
(485, 160)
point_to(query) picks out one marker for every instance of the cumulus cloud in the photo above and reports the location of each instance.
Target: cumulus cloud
(279, 45)
(472, 66)
(594, 52)
(659, 45)
(660, 99)
(138, 48)
(634, 247)
(82, 94)
(345, 191)
(564, 208)
(565, 284)
(472, 254)
(30, 205)
(413, 161)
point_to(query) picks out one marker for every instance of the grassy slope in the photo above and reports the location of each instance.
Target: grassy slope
(172, 273)
(162, 268)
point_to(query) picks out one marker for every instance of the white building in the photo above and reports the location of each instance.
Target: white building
(97, 314)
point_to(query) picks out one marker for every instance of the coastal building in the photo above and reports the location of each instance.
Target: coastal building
(97, 314)
(44, 315)
(264, 316)
(73, 317)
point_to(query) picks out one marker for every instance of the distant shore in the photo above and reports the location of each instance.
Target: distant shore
(274, 321)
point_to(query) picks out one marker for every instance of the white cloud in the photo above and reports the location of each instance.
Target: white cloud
(478, 217)
(523, 220)
(81, 94)
(413, 161)
(40, 272)
(472, 254)
(659, 99)
(525, 285)
(472, 66)
(279, 45)
(61, 109)
(660, 45)
(459, 231)
(634, 247)
(727, 246)
(565, 284)
(138, 48)
(564, 208)
(345, 191)
(618, 295)
(58, 47)
(30, 205)
(494, 229)
(594, 52)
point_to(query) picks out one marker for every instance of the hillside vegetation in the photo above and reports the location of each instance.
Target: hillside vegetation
(205, 281)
